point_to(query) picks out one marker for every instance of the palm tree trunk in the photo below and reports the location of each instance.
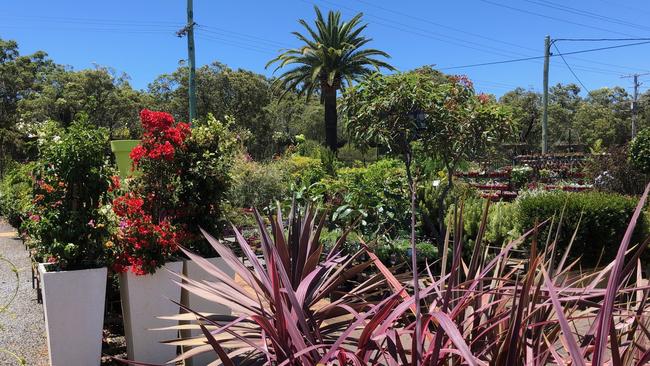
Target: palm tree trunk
(331, 117)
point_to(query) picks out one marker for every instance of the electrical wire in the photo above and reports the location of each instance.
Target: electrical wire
(570, 69)
(426, 33)
(588, 14)
(231, 43)
(409, 29)
(540, 57)
(600, 39)
(243, 36)
(554, 18)
(427, 21)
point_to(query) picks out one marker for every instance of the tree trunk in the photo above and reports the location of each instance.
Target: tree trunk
(331, 117)
(414, 262)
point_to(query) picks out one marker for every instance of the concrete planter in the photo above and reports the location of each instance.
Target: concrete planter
(201, 305)
(121, 149)
(144, 299)
(73, 302)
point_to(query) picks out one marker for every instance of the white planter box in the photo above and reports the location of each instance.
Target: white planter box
(144, 298)
(74, 314)
(201, 305)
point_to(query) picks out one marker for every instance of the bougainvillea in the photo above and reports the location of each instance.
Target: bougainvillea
(183, 175)
(161, 137)
(146, 242)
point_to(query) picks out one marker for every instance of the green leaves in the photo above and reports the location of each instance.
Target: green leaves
(443, 112)
(639, 151)
(331, 55)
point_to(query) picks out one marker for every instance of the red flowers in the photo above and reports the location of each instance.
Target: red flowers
(147, 236)
(155, 121)
(162, 137)
(144, 242)
(137, 153)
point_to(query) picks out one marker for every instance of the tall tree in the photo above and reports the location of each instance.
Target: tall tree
(331, 58)
(526, 110)
(20, 78)
(100, 96)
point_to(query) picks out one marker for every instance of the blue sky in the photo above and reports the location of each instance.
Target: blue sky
(137, 36)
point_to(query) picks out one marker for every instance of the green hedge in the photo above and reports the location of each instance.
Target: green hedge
(605, 217)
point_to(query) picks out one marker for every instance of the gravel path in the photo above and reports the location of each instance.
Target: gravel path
(22, 328)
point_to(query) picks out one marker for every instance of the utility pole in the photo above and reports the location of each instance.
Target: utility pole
(635, 101)
(190, 55)
(547, 56)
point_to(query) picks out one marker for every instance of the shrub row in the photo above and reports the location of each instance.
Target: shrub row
(603, 217)
(603, 220)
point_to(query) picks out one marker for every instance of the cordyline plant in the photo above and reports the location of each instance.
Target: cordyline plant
(494, 310)
(283, 307)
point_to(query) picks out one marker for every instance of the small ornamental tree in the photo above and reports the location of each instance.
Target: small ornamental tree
(184, 176)
(441, 114)
(639, 152)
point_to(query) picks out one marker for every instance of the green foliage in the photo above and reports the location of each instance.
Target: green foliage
(502, 225)
(376, 194)
(100, 96)
(206, 164)
(20, 77)
(16, 193)
(331, 58)
(305, 171)
(520, 175)
(614, 171)
(258, 184)
(640, 151)
(604, 219)
(399, 251)
(444, 113)
(72, 178)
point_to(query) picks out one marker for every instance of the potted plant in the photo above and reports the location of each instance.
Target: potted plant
(183, 178)
(70, 232)
(122, 150)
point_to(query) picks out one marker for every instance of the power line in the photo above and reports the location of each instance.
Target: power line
(228, 42)
(541, 57)
(410, 16)
(554, 18)
(588, 14)
(409, 28)
(570, 69)
(245, 37)
(421, 19)
(93, 21)
(600, 39)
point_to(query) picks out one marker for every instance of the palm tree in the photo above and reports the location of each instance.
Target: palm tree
(330, 59)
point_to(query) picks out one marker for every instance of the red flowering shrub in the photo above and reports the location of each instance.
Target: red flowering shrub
(161, 137)
(184, 174)
(147, 243)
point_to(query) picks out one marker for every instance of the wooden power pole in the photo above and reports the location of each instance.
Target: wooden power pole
(635, 101)
(547, 56)
(190, 55)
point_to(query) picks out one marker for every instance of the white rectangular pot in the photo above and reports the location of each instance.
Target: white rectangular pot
(201, 305)
(74, 314)
(144, 298)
